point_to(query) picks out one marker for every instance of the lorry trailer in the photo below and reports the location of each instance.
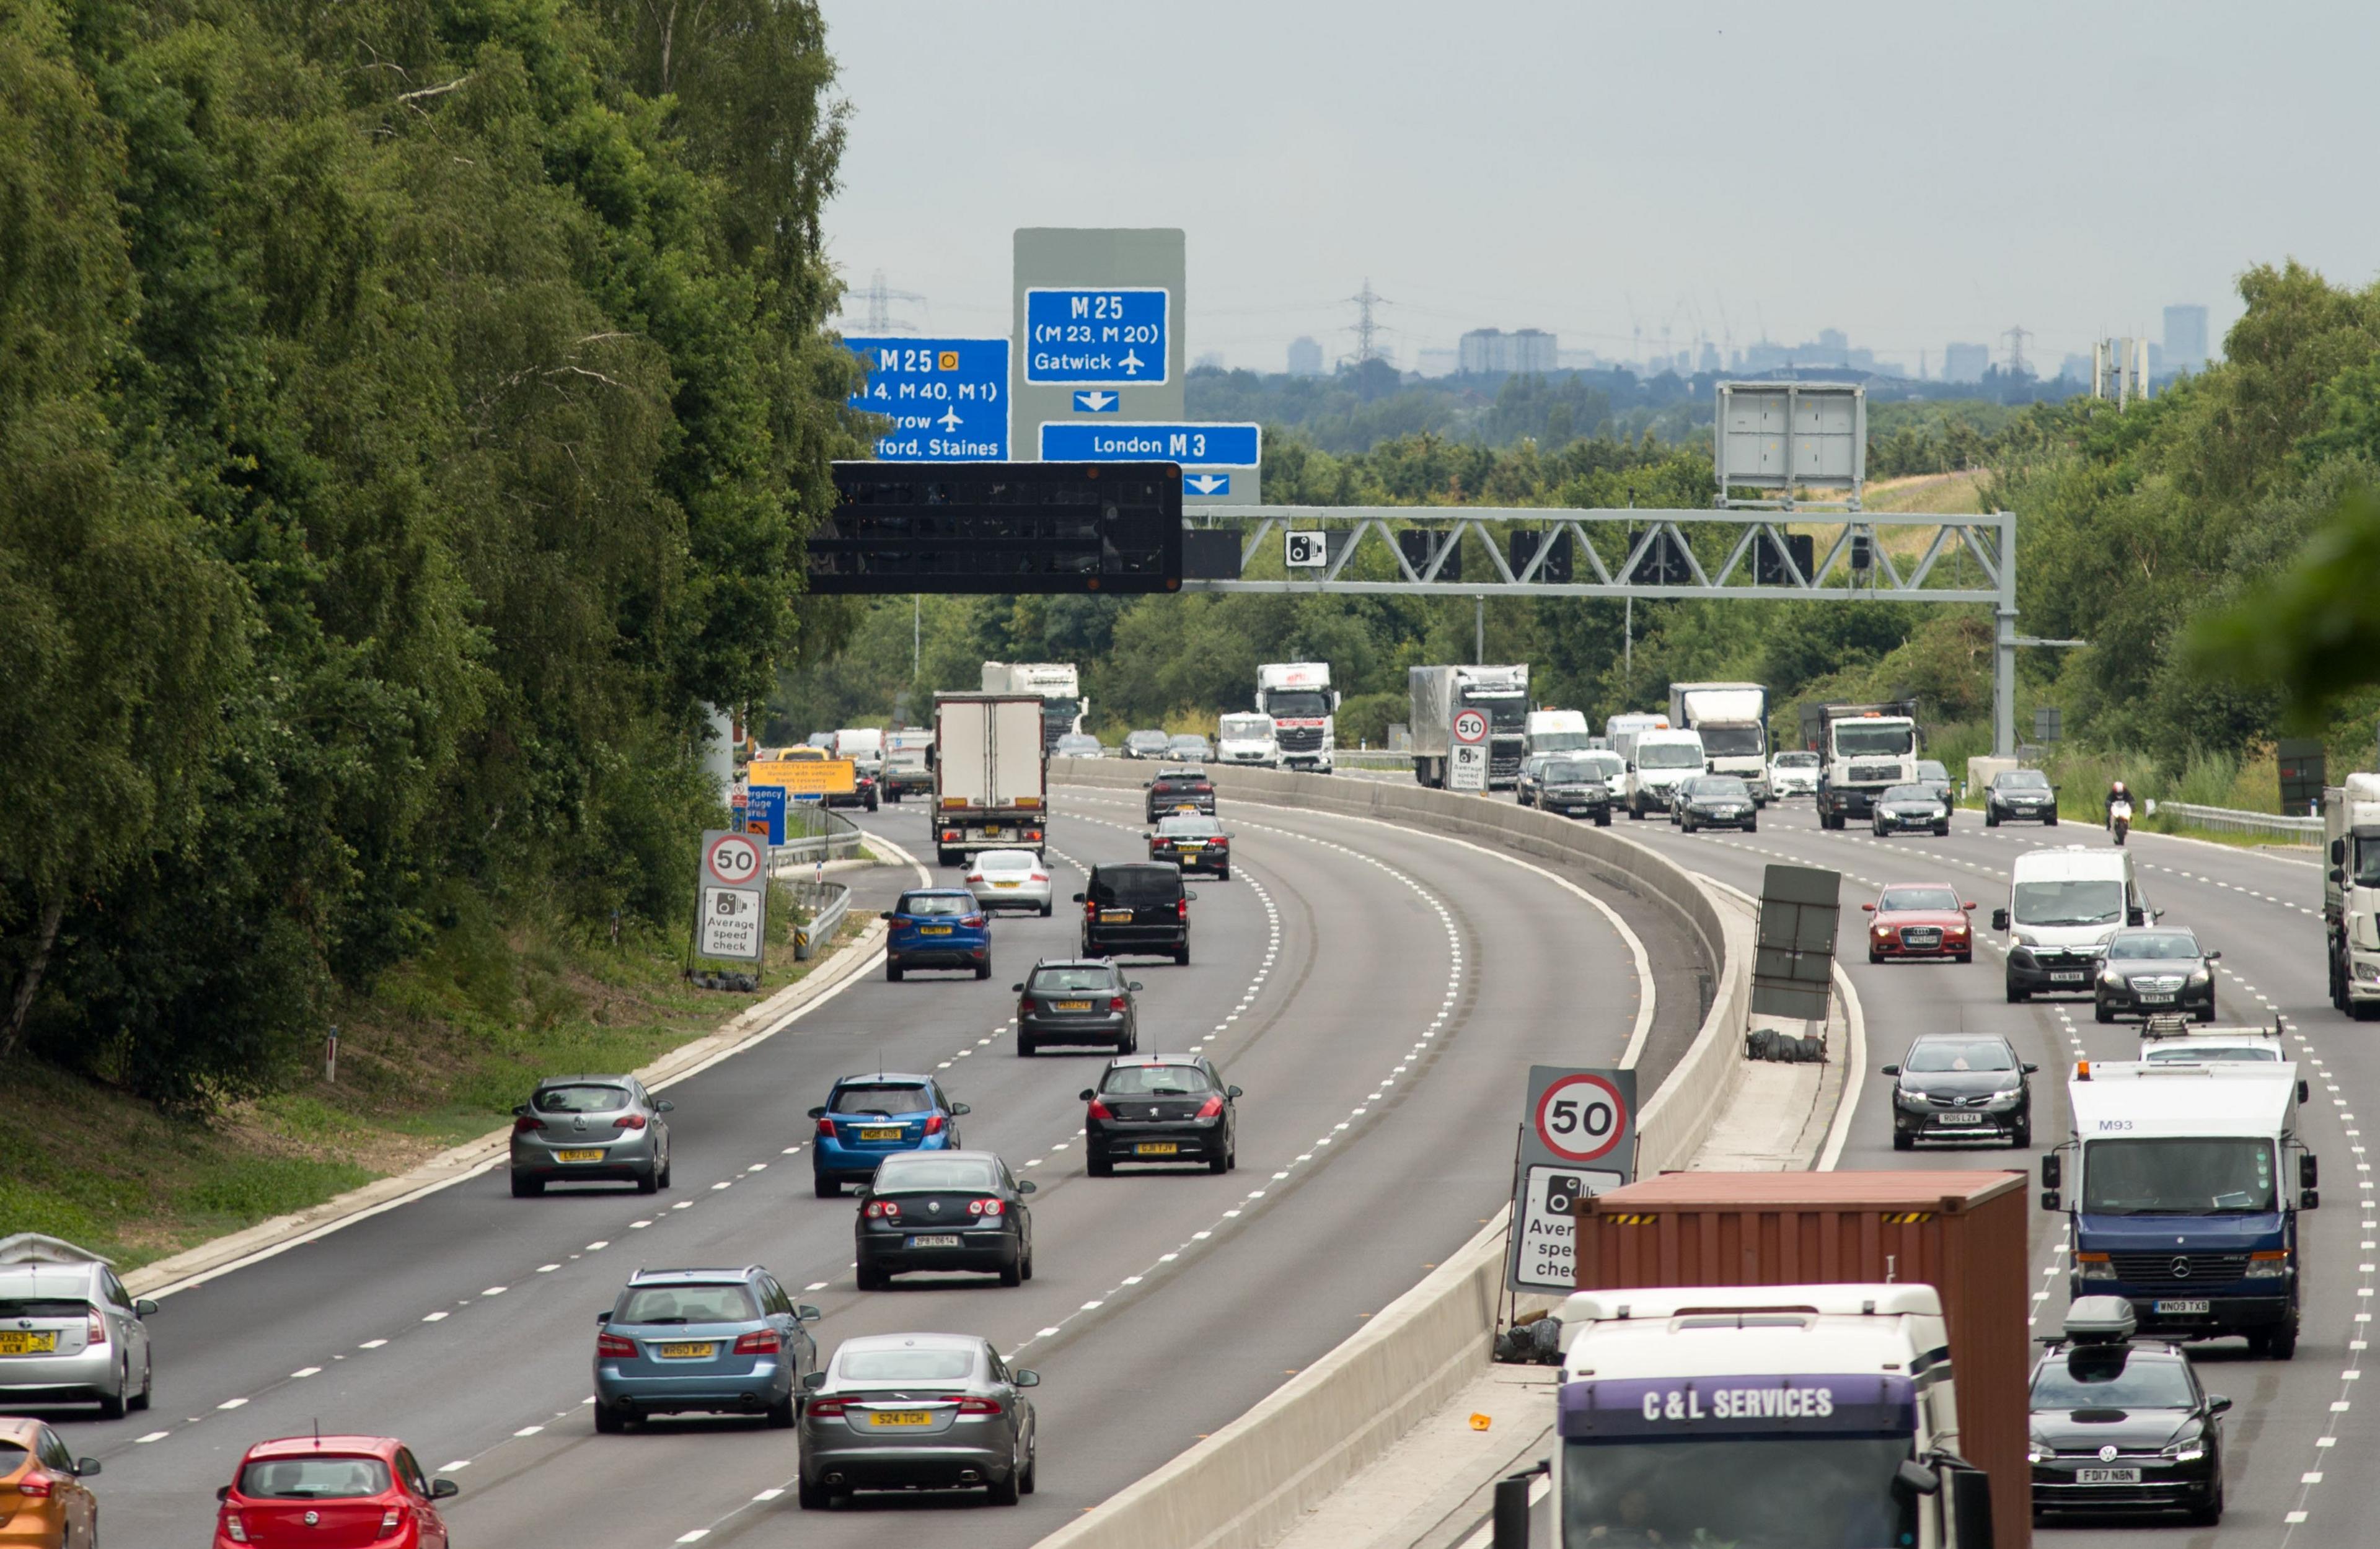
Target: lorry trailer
(991, 785)
(2351, 894)
(1438, 694)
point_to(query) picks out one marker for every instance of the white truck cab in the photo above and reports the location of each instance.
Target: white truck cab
(1692, 1415)
(1305, 711)
(2351, 894)
(1659, 759)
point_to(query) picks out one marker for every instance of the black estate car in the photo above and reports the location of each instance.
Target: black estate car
(2122, 1424)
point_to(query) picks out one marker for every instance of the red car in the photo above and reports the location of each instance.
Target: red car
(1920, 919)
(332, 1493)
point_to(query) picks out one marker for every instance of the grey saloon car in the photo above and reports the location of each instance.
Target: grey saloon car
(581, 1129)
(916, 1411)
(69, 1332)
(719, 1341)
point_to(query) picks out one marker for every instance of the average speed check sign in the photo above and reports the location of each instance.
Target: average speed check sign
(1578, 1139)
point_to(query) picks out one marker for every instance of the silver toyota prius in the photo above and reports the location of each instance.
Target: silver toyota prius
(916, 1411)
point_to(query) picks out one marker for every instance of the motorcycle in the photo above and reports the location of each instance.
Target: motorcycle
(2119, 820)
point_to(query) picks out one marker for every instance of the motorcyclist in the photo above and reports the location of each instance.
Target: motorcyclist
(2118, 791)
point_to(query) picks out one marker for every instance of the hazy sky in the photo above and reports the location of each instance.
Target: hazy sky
(1911, 174)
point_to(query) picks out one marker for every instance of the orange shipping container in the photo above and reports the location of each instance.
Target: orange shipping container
(1960, 1232)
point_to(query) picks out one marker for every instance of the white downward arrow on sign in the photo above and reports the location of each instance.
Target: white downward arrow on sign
(1096, 401)
(1132, 362)
(1205, 483)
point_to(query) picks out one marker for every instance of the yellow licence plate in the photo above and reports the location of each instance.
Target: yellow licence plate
(1070, 1005)
(933, 931)
(899, 1417)
(1156, 1148)
(685, 1352)
(16, 1342)
(1005, 884)
(578, 1155)
(892, 1134)
(1116, 916)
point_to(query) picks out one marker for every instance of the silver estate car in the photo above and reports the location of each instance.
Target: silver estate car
(1010, 879)
(69, 1332)
(580, 1128)
(916, 1411)
(724, 1341)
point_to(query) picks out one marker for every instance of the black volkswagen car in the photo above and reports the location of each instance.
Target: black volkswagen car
(1908, 809)
(2019, 793)
(2153, 971)
(2123, 1426)
(1714, 802)
(1136, 906)
(1962, 1086)
(1161, 1107)
(943, 1210)
(1083, 1002)
(1179, 791)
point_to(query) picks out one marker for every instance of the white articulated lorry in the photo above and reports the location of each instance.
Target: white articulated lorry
(991, 775)
(1056, 683)
(1305, 711)
(1733, 721)
(1807, 1417)
(2351, 894)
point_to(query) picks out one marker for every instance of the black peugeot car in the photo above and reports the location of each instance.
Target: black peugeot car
(1961, 1086)
(1138, 907)
(1714, 802)
(1179, 791)
(2122, 1426)
(943, 1210)
(1077, 1001)
(2154, 970)
(2019, 793)
(1161, 1107)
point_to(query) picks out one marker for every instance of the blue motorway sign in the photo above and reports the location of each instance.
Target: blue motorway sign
(1192, 446)
(764, 812)
(1109, 334)
(947, 398)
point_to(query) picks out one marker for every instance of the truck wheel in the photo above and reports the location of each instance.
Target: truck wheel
(945, 857)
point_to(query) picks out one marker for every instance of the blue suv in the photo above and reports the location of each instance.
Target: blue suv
(719, 1341)
(938, 927)
(867, 1119)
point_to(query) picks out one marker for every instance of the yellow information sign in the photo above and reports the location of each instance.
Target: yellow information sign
(804, 777)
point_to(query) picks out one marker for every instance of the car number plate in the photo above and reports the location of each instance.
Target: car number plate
(578, 1155)
(1187, 806)
(899, 1417)
(1116, 916)
(1003, 884)
(2152, 998)
(933, 931)
(16, 1342)
(1070, 1005)
(1958, 1119)
(2066, 976)
(2183, 1308)
(685, 1352)
(939, 1240)
(872, 1132)
(2107, 1476)
(1157, 1148)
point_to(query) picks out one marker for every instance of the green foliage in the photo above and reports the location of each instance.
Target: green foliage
(2312, 630)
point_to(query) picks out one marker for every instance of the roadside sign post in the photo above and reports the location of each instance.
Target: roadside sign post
(1578, 1139)
(1467, 755)
(732, 898)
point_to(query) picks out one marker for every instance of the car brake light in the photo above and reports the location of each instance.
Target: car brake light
(760, 1342)
(616, 1344)
(1039, 876)
(1099, 1110)
(632, 1121)
(1033, 833)
(391, 1519)
(1025, 1006)
(35, 1484)
(1213, 1107)
(933, 1123)
(1181, 908)
(826, 1128)
(826, 1407)
(951, 834)
(1115, 1003)
(96, 1333)
(883, 1210)
(979, 1406)
(1090, 909)
(233, 1528)
(973, 922)
(527, 1122)
(983, 1207)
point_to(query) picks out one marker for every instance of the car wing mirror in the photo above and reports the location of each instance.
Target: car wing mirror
(2302, 1090)
(1969, 906)
(223, 1491)
(1888, 1070)
(1915, 1478)
(443, 1489)
(1088, 1095)
(1022, 1378)
(1868, 908)
(813, 1381)
(1192, 897)
(1232, 1092)
(86, 1467)
(1017, 989)
(886, 915)
(960, 1110)
(1133, 984)
(1999, 919)
(521, 1110)
(2031, 1069)
(2217, 1404)
(808, 1313)
(1026, 1186)
(1078, 898)
(603, 1317)
(145, 1308)
(2214, 957)
(664, 1105)
(818, 1113)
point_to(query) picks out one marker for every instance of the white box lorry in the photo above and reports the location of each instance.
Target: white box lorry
(1058, 685)
(1733, 721)
(1305, 711)
(2351, 894)
(1440, 693)
(992, 785)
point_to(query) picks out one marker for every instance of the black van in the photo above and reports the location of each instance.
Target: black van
(1138, 907)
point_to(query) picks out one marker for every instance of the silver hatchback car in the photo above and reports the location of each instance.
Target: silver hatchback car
(69, 1332)
(574, 1129)
(916, 1411)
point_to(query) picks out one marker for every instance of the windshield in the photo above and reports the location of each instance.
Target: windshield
(926, 1365)
(1089, 976)
(2088, 902)
(313, 1478)
(1155, 1080)
(1911, 793)
(1961, 1053)
(1507, 711)
(882, 1097)
(1245, 728)
(934, 906)
(2112, 1377)
(916, 1170)
(1297, 704)
(1721, 788)
(1805, 1493)
(1733, 741)
(1077, 741)
(1917, 898)
(1857, 739)
(2022, 779)
(1928, 770)
(2367, 863)
(2162, 945)
(582, 1099)
(1571, 771)
(1187, 743)
(1561, 742)
(1797, 760)
(2186, 1054)
(1668, 756)
(686, 1304)
(2194, 1175)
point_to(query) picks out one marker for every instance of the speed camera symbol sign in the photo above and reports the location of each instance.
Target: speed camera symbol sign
(1306, 550)
(1581, 1117)
(1470, 726)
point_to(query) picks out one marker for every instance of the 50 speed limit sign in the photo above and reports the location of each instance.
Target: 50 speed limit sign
(732, 859)
(1581, 1117)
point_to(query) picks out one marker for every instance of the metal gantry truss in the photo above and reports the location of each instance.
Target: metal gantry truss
(1609, 545)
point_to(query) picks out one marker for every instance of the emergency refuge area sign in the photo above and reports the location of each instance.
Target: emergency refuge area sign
(1578, 1139)
(733, 898)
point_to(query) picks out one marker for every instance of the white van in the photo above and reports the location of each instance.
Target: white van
(1246, 737)
(863, 746)
(2063, 904)
(1620, 731)
(1658, 760)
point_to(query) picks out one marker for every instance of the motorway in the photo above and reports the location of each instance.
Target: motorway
(1376, 992)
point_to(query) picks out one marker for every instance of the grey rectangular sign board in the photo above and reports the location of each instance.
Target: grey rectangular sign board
(1793, 950)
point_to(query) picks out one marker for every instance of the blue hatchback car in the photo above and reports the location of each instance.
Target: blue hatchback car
(938, 927)
(867, 1119)
(712, 1340)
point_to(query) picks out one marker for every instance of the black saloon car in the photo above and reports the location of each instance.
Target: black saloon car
(2154, 970)
(1193, 842)
(1147, 743)
(943, 1210)
(1083, 1002)
(1961, 1086)
(1161, 1107)
(1179, 791)
(2122, 1426)
(1910, 808)
(2016, 794)
(1714, 802)
(1137, 907)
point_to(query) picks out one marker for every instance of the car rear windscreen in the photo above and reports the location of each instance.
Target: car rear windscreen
(904, 1365)
(314, 1478)
(1055, 981)
(882, 1097)
(1150, 1081)
(44, 1307)
(12, 1457)
(916, 1171)
(1135, 886)
(581, 1099)
(724, 1303)
(935, 906)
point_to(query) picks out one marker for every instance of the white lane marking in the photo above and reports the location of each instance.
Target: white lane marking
(231, 1404)
(306, 1372)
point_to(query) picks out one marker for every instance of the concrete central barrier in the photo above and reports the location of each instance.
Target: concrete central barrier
(1247, 1485)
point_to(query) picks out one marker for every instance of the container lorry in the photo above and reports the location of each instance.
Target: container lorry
(2188, 1182)
(1304, 707)
(1247, 737)
(1797, 1359)
(1560, 732)
(1056, 683)
(2351, 894)
(991, 787)
(1733, 720)
(1440, 693)
(1862, 750)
